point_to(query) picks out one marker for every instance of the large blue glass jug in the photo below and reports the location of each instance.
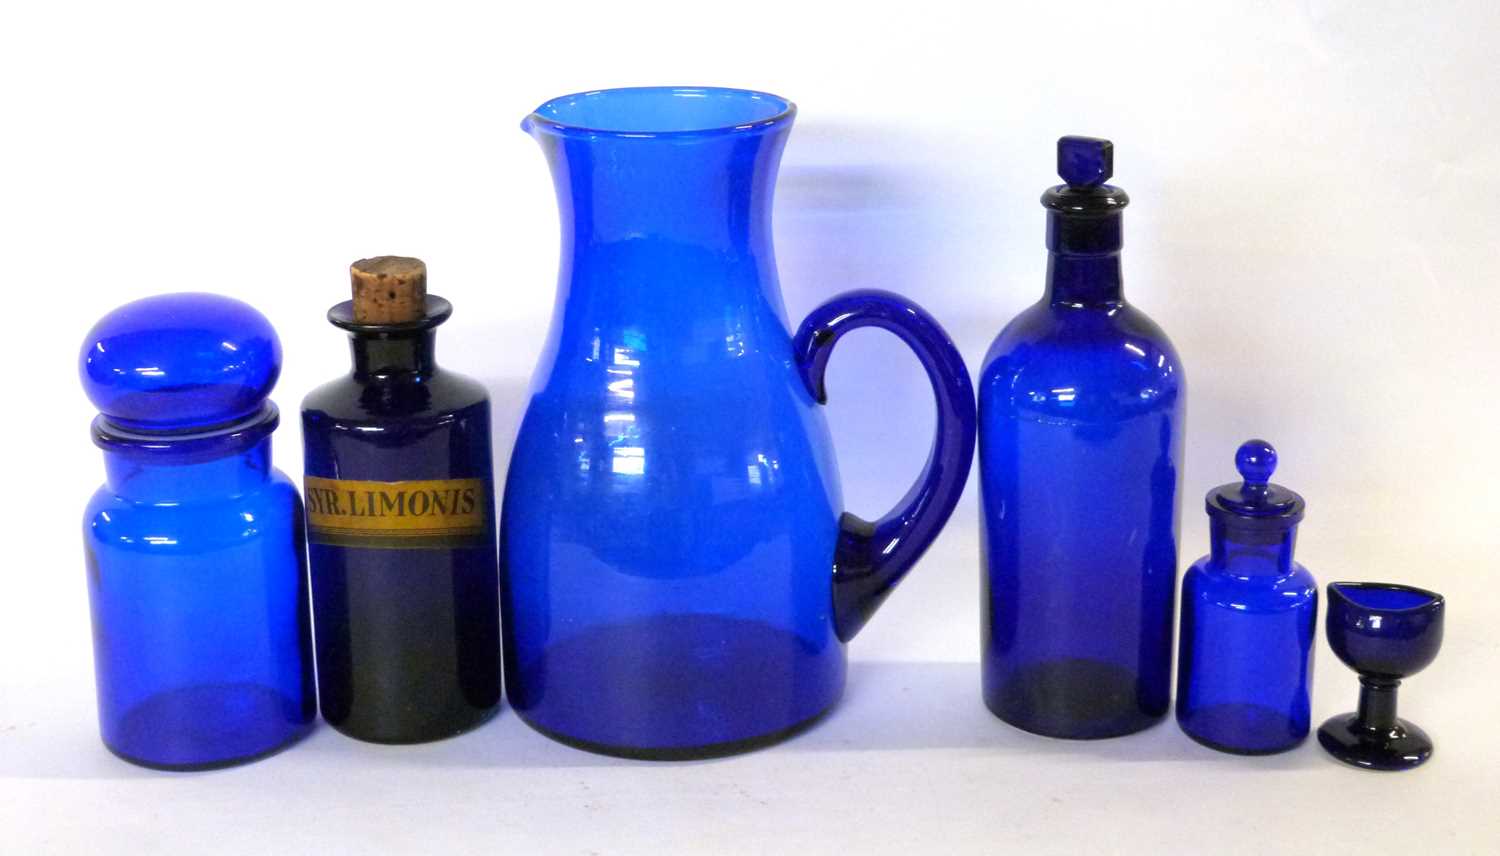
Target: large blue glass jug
(677, 580)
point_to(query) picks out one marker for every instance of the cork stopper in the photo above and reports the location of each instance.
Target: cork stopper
(388, 290)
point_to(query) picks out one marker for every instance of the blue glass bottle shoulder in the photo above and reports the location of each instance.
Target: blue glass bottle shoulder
(1081, 363)
(1210, 585)
(412, 400)
(194, 526)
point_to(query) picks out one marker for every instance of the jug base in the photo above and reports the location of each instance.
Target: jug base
(673, 686)
(683, 753)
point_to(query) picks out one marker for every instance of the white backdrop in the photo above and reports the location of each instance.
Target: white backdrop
(1314, 222)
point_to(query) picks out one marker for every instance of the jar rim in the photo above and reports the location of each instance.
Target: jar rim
(187, 446)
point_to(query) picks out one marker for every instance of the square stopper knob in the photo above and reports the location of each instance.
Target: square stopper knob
(1085, 161)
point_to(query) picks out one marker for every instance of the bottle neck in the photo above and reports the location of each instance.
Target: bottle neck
(160, 479)
(1084, 280)
(1252, 553)
(386, 355)
(1084, 266)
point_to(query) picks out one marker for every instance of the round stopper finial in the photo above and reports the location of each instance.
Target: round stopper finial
(1254, 503)
(1256, 461)
(388, 289)
(1085, 161)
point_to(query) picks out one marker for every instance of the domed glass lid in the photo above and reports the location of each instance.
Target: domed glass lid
(177, 363)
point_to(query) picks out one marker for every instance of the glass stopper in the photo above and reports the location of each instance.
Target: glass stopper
(1256, 461)
(1085, 161)
(1254, 500)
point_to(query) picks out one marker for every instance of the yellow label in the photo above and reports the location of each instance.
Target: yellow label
(404, 514)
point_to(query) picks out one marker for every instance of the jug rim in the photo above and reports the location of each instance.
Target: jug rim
(783, 111)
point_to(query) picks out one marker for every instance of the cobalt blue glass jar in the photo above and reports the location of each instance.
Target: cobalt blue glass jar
(677, 578)
(1081, 409)
(401, 522)
(194, 545)
(1249, 618)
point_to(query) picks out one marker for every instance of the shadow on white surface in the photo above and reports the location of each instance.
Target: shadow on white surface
(888, 707)
(937, 706)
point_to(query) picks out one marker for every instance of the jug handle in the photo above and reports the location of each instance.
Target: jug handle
(872, 557)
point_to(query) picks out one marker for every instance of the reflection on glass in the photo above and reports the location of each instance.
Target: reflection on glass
(628, 461)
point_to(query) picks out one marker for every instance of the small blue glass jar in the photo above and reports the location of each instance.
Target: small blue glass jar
(1249, 616)
(194, 545)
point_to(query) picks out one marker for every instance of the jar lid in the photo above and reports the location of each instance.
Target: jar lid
(1255, 502)
(180, 363)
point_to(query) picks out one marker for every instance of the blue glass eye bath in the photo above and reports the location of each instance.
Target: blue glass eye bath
(194, 545)
(1081, 417)
(1386, 633)
(679, 577)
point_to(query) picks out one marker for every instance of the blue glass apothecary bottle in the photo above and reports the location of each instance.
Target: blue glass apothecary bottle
(401, 522)
(1249, 618)
(194, 546)
(1081, 409)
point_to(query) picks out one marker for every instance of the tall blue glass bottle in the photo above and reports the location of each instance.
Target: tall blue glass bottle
(401, 522)
(1081, 409)
(679, 579)
(1249, 618)
(194, 545)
